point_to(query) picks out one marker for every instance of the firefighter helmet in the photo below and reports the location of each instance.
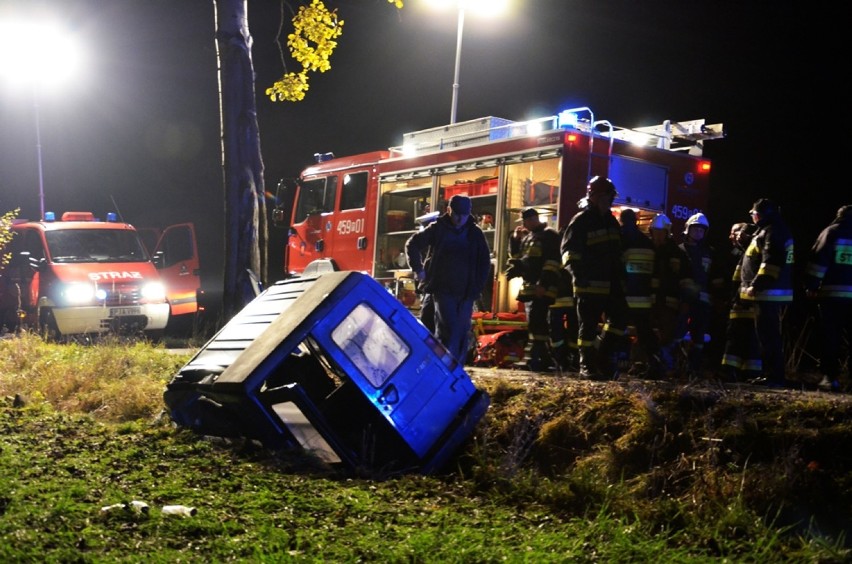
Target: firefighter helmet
(697, 219)
(765, 207)
(661, 221)
(601, 185)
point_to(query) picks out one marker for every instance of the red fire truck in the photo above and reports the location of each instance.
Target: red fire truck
(356, 212)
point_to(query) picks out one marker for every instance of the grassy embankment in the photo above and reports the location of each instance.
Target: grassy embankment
(559, 470)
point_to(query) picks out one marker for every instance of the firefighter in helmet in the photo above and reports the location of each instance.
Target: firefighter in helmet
(741, 360)
(695, 317)
(537, 261)
(591, 251)
(828, 280)
(766, 278)
(638, 272)
(669, 272)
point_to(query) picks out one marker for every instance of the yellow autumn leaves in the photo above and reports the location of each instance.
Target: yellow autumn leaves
(6, 234)
(315, 30)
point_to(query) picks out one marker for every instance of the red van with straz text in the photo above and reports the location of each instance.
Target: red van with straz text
(83, 276)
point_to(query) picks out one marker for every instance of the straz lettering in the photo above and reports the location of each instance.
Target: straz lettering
(114, 275)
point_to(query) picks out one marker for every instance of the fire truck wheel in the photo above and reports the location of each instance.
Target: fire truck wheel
(47, 326)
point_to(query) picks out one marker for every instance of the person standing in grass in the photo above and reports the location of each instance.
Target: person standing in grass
(454, 271)
(767, 282)
(638, 276)
(741, 359)
(537, 260)
(591, 251)
(670, 271)
(695, 318)
(828, 280)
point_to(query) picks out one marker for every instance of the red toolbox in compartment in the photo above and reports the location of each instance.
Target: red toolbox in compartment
(485, 187)
(463, 189)
(481, 188)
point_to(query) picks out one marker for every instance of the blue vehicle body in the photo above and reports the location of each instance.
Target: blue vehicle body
(335, 365)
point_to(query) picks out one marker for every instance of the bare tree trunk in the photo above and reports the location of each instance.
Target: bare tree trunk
(246, 235)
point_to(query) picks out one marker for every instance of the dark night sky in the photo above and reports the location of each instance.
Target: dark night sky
(140, 126)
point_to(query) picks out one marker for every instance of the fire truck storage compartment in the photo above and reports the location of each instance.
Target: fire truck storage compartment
(334, 365)
(399, 220)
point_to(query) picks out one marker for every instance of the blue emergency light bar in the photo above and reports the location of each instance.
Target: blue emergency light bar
(568, 119)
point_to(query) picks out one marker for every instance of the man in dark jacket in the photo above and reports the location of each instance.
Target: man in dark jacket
(766, 278)
(829, 280)
(454, 271)
(591, 251)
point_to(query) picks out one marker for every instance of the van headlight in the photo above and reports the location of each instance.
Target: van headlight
(79, 293)
(154, 292)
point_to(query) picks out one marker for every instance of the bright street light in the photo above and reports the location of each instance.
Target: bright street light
(480, 7)
(39, 55)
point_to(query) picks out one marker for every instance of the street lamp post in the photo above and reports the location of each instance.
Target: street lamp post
(458, 64)
(484, 7)
(38, 152)
(33, 52)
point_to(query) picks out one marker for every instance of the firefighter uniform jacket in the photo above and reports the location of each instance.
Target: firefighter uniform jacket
(697, 285)
(670, 274)
(767, 263)
(538, 262)
(829, 270)
(638, 268)
(591, 251)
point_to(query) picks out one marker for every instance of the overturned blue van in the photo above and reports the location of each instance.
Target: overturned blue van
(335, 365)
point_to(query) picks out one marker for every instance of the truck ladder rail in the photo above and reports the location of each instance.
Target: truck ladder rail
(672, 136)
(669, 135)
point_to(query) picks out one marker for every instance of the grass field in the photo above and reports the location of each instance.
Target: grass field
(558, 470)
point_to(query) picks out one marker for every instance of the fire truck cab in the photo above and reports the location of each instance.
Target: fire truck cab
(357, 212)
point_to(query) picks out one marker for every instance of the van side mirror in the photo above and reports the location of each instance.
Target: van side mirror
(159, 260)
(278, 217)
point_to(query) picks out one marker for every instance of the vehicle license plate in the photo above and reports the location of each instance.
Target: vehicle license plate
(119, 311)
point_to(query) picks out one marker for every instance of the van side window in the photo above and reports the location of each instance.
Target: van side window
(354, 194)
(28, 240)
(316, 196)
(177, 245)
(372, 345)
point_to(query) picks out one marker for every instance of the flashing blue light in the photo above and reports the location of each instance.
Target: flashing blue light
(49, 216)
(111, 217)
(567, 119)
